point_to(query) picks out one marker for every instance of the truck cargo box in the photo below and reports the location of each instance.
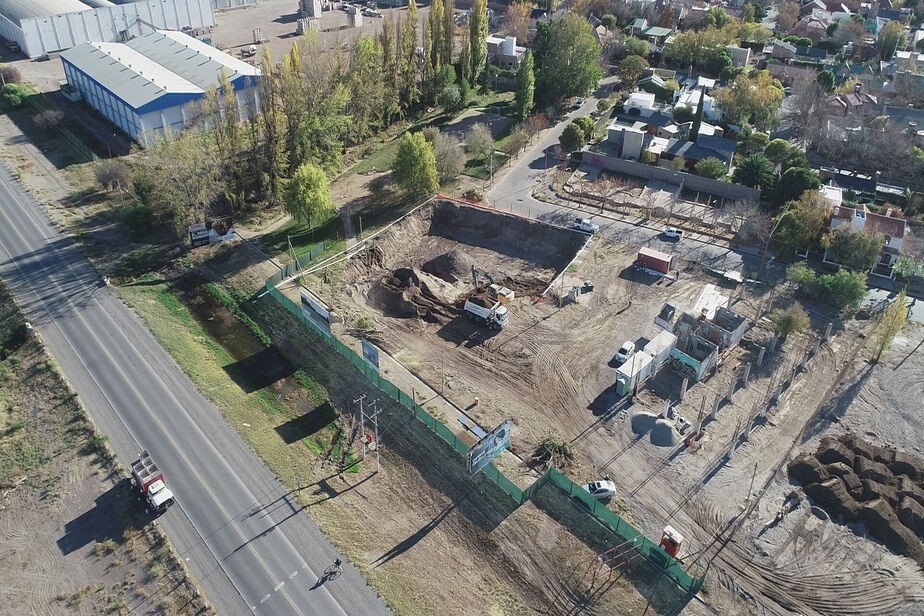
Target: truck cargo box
(655, 260)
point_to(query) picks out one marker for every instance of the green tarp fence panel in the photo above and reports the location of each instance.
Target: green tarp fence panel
(609, 519)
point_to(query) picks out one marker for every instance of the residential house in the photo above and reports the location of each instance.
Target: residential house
(740, 56)
(812, 5)
(504, 53)
(787, 74)
(706, 146)
(890, 225)
(856, 103)
(690, 99)
(604, 36)
(813, 54)
(655, 85)
(638, 26)
(908, 83)
(705, 84)
(783, 50)
(656, 35)
(811, 28)
(640, 103)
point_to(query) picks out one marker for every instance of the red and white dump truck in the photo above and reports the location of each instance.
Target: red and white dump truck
(151, 484)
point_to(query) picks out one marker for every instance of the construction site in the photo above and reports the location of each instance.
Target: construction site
(695, 428)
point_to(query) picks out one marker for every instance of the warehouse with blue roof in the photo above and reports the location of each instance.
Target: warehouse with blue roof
(154, 85)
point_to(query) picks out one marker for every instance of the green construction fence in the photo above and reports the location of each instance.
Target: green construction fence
(609, 519)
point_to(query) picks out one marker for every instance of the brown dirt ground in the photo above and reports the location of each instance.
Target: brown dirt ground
(550, 370)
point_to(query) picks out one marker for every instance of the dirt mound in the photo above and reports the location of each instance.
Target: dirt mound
(884, 524)
(860, 481)
(451, 266)
(911, 513)
(642, 423)
(807, 469)
(663, 434)
(408, 293)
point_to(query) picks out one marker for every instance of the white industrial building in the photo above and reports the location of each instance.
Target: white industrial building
(155, 84)
(42, 27)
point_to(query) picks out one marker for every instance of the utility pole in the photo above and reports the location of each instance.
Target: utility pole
(362, 423)
(374, 417)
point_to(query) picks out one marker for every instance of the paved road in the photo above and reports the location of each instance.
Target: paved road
(513, 193)
(242, 535)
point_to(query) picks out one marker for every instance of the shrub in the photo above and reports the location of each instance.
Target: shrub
(802, 276)
(14, 95)
(48, 119)
(10, 74)
(112, 174)
(789, 320)
(137, 219)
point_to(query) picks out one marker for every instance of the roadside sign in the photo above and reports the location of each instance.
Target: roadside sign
(484, 451)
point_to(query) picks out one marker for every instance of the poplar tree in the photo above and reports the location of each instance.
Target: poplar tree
(478, 39)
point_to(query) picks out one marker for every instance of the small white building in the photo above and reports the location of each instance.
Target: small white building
(504, 53)
(690, 99)
(643, 104)
(155, 84)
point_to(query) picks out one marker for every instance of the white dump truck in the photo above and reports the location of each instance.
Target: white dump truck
(151, 484)
(487, 310)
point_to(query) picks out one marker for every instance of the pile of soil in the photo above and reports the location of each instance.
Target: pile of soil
(407, 292)
(451, 266)
(862, 482)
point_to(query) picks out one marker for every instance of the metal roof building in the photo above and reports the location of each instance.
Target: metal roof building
(151, 85)
(45, 26)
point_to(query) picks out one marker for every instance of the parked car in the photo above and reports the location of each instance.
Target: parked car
(586, 226)
(601, 490)
(624, 351)
(672, 233)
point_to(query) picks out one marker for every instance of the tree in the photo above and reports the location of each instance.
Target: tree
(636, 47)
(697, 119)
(479, 142)
(826, 79)
(848, 31)
(274, 146)
(450, 98)
(516, 142)
(751, 224)
(754, 171)
(587, 125)
(414, 167)
(843, 289)
(447, 34)
(806, 107)
(526, 87)
(307, 195)
(892, 322)
(716, 17)
(802, 276)
(777, 151)
(516, 20)
(890, 36)
(567, 60)
(184, 177)
(631, 68)
(683, 114)
(754, 97)
(801, 224)
(907, 267)
(478, 38)
(711, 167)
(789, 320)
(787, 16)
(450, 159)
(10, 74)
(435, 22)
(794, 182)
(370, 105)
(572, 138)
(853, 248)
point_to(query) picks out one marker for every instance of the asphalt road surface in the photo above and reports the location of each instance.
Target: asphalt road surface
(241, 533)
